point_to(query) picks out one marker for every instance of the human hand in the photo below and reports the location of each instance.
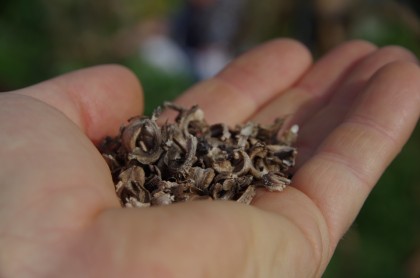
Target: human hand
(59, 216)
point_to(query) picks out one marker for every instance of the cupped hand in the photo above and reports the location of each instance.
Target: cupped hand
(59, 215)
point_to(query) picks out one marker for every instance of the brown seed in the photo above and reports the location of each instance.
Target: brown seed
(190, 160)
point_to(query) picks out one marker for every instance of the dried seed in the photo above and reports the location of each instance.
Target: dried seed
(247, 196)
(190, 160)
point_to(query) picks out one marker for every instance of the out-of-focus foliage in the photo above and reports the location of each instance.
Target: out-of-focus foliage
(40, 39)
(24, 46)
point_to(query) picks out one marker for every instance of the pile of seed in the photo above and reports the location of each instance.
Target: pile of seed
(192, 160)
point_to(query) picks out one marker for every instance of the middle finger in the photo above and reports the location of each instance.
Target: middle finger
(317, 86)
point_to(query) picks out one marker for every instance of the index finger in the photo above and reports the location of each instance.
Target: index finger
(250, 81)
(97, 99)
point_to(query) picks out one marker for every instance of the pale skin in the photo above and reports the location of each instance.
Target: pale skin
(59, 216)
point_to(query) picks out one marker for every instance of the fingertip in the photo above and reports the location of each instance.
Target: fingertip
(401, 53)
(333, 66)
(122, 76)
(250, 81)
(268, 59)
(98, 99)
(393, 93)
(318, 84)
(114, 96)
(401, 79)
(295, 46)
(409, 71)
(357, 44)
(381, 58)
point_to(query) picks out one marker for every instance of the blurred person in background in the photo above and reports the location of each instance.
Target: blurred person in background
(204, 29)
(159, 50)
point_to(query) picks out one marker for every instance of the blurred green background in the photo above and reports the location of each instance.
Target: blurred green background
(40, 39)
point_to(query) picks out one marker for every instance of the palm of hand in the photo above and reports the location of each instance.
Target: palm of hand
(59, 215)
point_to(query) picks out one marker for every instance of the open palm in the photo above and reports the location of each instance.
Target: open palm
(59, 215)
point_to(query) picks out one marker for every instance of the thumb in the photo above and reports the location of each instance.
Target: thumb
(97, 99)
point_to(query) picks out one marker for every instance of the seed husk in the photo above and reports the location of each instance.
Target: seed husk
(188, 159)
